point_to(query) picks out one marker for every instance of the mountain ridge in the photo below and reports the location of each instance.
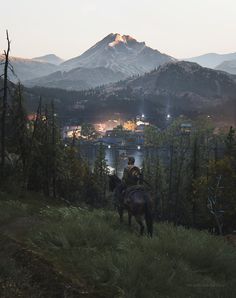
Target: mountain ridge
(49, 58)
(211, 60)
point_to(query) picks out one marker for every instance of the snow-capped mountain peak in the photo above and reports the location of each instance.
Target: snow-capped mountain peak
(120, 53)
(118, 38)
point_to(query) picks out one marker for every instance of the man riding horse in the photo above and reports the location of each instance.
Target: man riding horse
(131, 195)
(132, 174)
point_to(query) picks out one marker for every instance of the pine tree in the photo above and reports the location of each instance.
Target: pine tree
(100, 173)
(19, 134)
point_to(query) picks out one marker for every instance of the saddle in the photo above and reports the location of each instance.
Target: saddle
(130, 191)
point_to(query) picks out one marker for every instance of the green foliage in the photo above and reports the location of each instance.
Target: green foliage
(100, 174)
(92, 246)
(231, 142)
(75, 180)
(152, 136)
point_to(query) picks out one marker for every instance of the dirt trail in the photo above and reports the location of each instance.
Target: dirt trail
(34, 276)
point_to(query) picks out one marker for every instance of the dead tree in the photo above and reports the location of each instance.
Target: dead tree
(54, 151)
(212, 202)
(4, 102)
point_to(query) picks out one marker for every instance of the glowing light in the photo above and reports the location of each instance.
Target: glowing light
(109, 146)
(139, 147)
(168, 116)
(143, 116)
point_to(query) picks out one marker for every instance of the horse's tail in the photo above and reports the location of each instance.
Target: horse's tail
(149, 216)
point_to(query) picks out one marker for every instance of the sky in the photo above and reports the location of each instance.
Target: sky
(180, 28)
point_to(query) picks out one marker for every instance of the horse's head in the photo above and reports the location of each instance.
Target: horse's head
(114, 181)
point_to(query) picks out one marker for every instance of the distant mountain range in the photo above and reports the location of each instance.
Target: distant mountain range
(176, 88)
(228, 66)
(26, 69)
(51, 58)
(212, 60)
(77, 78)
(199, 87)
(113, 58)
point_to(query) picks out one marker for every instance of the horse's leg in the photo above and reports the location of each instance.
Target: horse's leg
(120, 211)
(129, 218)
(140, 222)
(149, 218)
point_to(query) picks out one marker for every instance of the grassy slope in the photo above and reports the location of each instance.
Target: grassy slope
(92, 250)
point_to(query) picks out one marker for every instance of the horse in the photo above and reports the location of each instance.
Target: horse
(136, 200)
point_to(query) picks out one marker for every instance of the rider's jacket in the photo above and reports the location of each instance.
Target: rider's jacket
(131, 175)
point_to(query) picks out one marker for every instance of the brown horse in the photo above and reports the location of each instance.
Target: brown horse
(136, 200)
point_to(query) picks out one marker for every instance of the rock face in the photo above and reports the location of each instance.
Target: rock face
(120, 53)
(228, 66)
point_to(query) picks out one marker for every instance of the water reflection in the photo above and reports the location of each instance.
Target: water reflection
(116, 158)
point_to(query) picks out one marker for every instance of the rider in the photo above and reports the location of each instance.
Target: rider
(132, 174)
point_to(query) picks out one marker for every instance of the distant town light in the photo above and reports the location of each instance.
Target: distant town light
(139, 147)
(143, 116)
(109, 146)
(168, 116)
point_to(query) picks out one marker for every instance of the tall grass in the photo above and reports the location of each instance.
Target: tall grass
(93, 247)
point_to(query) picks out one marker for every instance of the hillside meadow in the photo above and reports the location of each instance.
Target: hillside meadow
(91, 250)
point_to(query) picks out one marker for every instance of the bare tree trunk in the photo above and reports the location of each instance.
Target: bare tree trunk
(170, 182)
(54, 152)
(4, 104)
(194, 177)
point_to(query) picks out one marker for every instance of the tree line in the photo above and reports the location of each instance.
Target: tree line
(195, 186)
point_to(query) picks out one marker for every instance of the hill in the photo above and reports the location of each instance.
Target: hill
(88, 253)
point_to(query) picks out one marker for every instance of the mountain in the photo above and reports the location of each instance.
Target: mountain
(212, 60)
(228, 66)
(183, 77)
(77, 79)
(26, 69)
(120, 53)
(114, 58)
(176, 88)
(51, 58)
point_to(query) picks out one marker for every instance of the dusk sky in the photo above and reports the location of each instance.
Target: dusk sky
(181, 28)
